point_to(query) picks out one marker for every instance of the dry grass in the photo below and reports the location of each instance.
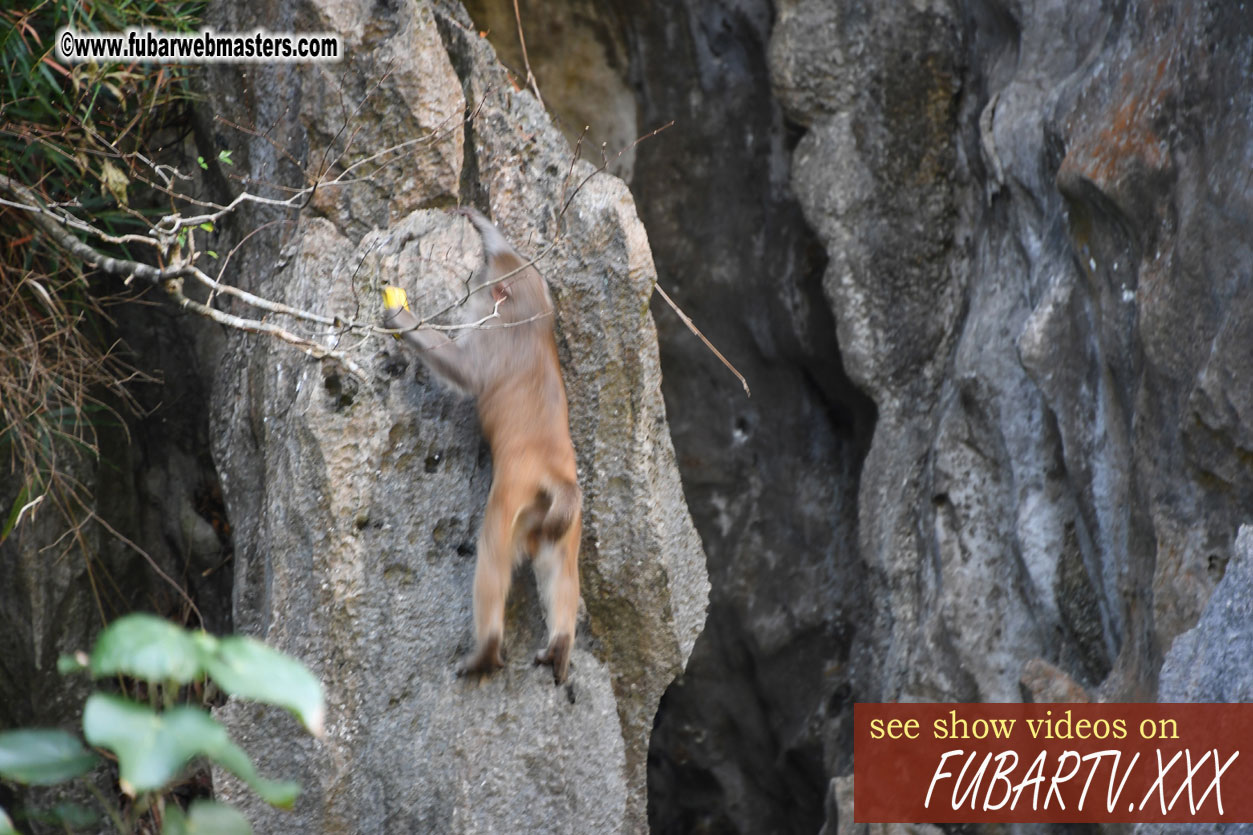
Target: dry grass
(66, 134)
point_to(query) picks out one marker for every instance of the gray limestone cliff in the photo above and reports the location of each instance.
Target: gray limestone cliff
(985, 264)
(1035, 220)
(356, 505)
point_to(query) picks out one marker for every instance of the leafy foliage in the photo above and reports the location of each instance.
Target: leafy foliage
(154, 747)
(43, 757)
(146, 647)
(205, 817)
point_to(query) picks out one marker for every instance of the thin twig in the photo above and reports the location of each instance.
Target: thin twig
(120, 538)
(313, 349)
(227, 260)
(574, 158)
(171, 279)
(607, 162)
(261, 302)
(692, 327)
(530, 76)
(50, 224)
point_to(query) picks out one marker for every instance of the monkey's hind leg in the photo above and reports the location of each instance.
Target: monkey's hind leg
(493, 572)
(557, 576)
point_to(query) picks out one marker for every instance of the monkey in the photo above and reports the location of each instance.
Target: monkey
(508, 364)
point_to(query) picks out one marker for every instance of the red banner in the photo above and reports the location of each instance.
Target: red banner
(1052, 763)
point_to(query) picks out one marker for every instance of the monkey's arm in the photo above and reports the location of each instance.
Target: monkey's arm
(443, 355)
(494, 243)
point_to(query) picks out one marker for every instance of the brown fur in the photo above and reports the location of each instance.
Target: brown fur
(534, 507)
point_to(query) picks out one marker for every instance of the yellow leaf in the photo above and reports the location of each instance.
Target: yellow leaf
(394, 297)
(114, 181)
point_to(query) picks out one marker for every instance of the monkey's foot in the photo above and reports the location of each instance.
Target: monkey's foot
(484, 661)
(557, 655)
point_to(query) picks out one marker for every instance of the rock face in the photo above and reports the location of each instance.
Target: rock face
(356, 503)
(1036, 275)
(985, 264)
(1210, 662)
(771, 479)
(1025, 227)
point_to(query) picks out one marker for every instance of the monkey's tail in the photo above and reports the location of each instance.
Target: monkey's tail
(566, 499)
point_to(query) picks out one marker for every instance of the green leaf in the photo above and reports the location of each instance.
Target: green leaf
(153, 748)
(207, 226)
(64, 816)
(200, 161)
(225, 157)
(73, 815)
(205, 818)
(15, 513)
(249, 669)
(146, 647)
(43, 757)
(212, 254)
(6, 825)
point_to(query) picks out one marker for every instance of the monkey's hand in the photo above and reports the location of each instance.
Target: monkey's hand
(494, 243)
(451, 363)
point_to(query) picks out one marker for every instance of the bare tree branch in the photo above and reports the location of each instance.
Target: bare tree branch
(53, 224)
(56, 224)
(313, 349)
(692, 327)
(171, 280)
(530, 76)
